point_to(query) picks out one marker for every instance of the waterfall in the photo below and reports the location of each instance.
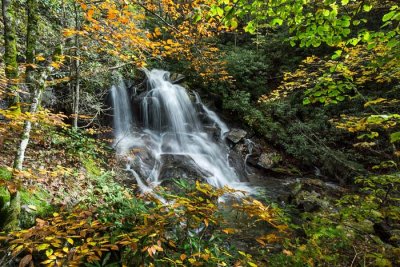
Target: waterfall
(213, 117)
(123, 121)
(171, 129)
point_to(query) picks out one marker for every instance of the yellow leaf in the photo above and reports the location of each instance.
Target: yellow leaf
(287, 252)
(40, 58)
(70, 240)
(55, 65)
(32, 207)
(229, 231)
(42, 247)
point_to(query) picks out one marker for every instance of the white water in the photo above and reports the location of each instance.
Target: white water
(250, 146)
(123, 121)
(171, 127)
(213, 117)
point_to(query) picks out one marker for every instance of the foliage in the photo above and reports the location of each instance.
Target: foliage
(179, 230)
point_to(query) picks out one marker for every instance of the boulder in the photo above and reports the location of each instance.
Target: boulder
(268, 160)
(309, 201)
(179, 167)
(176, 77)
(236, 135)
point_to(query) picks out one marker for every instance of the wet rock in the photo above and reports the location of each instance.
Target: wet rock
(383, 230)
(236, 135)
(241, 149)
(321, 187)
(237, 161)
(177, 167)
(388, 231)
(309, 201)
(269, 160)
(176, 77)
(212, 131)
(312, 195)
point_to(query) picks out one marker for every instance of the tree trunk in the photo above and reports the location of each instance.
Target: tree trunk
(14, 209)
(19, 157)
(10, 60)
(77, 74)
(10, 51)
(31, 40)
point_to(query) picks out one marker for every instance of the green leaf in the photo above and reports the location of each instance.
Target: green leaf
(345, 2)
(394, 137)
(220, 11)
(392, 43)
(340, 98)
(345, 23)
(234, 24)
(306, 101)
(367, 7)
(250, 28)
(316, 42)
(388, 16)
(366, 36)
(42, 247)
(196, 18)
(277, 21)
(49, 252)
(337, 54)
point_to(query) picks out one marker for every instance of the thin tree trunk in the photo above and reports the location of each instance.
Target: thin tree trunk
(19, 158)
(77, 74)
(31, 40)
(10, 60)
(14, 209)
(10, 50)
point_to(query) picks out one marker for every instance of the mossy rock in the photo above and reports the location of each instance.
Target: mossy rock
(4, 195)
(34, 204)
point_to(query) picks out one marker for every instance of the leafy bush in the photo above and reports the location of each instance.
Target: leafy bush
(182, 229)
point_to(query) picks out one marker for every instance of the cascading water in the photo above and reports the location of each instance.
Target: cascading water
(213, 116)
(171, 128)
(123, 121)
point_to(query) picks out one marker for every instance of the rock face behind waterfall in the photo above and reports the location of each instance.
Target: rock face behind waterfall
(175, 136)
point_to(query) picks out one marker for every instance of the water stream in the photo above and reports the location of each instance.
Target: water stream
(170, 130)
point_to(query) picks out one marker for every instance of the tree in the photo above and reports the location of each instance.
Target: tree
(11, 71)
(10, 45)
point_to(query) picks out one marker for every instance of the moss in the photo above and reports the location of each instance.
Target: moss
(35, 204)
(91, 166)
(5, 174)
(4, 195)
(12, 212)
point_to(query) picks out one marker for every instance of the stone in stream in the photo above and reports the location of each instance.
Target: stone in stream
(176, 77)
(236, 135)
(179, 167)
